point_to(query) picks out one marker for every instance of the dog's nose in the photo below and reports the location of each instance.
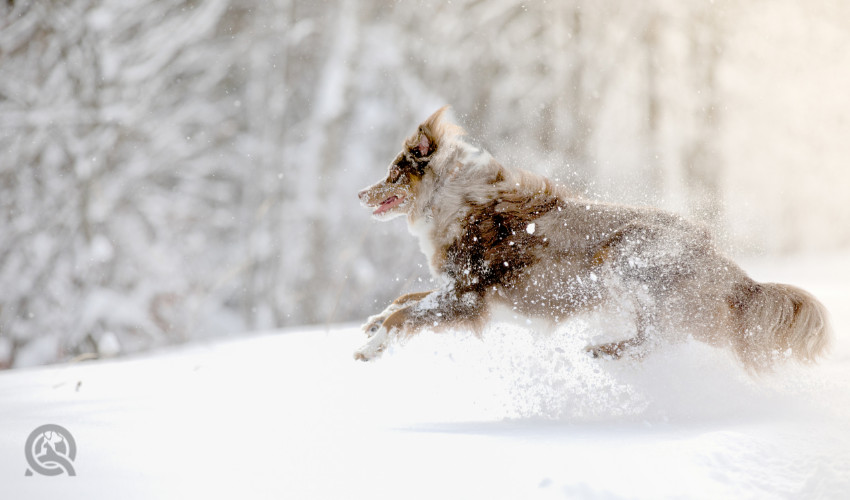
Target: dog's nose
(362, 195)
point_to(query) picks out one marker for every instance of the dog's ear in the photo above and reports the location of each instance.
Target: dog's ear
(433, 132)
(426, 144)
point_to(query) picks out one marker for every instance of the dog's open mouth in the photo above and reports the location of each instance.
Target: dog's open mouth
(388, 204)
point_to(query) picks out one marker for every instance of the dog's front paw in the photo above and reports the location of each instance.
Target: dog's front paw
(374, 348)
(366, 354)
(373, 324)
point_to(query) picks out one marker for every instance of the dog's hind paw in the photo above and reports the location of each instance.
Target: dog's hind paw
(602, 351)
(597, 352)
(633, 348)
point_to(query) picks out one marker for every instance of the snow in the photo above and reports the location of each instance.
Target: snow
(290, 414)
(174, 162)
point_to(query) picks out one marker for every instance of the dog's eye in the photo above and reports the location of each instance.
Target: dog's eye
(395, 174)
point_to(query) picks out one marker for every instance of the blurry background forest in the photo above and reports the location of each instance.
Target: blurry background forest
(178, 169)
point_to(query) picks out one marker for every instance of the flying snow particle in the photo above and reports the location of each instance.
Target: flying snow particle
(530, 228)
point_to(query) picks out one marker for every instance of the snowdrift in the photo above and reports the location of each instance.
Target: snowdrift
(515, 415)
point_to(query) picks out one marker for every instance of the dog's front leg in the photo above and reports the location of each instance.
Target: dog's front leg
(377, 343)
(373, 323)
(435, 309)
(400, 323)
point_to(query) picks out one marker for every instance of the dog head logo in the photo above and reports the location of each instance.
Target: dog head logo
(50, 451)
(419, 162)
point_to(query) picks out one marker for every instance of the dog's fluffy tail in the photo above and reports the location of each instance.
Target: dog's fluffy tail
(777, 321)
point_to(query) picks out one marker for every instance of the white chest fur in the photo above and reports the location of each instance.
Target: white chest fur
(422, 228)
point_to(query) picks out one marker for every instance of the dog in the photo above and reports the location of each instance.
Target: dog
(499, 236)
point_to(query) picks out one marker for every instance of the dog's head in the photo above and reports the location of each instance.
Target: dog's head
(394, 195)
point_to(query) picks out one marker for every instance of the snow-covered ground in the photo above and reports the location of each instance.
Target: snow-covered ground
(291, 415)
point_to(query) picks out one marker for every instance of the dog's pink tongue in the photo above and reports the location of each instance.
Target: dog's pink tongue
(387, 204)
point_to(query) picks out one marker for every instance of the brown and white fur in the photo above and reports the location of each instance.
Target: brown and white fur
(497, 236)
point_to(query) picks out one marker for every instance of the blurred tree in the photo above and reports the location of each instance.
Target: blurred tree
(174, 169)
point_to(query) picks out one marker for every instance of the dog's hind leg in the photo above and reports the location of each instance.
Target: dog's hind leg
(616, 350)
(632, 347)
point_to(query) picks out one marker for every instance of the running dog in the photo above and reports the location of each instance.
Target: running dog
(499, 236)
